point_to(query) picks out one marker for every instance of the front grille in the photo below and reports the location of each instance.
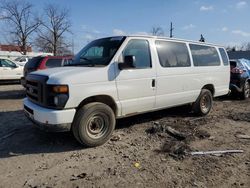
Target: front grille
(36, 88)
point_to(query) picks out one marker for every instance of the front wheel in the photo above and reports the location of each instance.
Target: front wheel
(94, 124)
(204, 103)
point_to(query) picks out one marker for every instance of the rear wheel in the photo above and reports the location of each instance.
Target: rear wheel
(94, 124)
(204, 103)
(246, 91)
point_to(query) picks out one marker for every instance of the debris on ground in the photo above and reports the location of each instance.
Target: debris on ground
(178, 135)
(77, 177)
(176, 149)
(242, 136)
(215, 152)
(116, 138)
(137, 165)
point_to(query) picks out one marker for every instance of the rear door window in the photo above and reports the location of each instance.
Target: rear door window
(204, 55)
(223, 56)
(54, 63)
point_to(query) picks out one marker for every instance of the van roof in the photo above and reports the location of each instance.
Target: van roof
(174, 39)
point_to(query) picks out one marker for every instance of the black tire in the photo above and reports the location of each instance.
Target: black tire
(93, 124)
(246, 91)
(204, 103)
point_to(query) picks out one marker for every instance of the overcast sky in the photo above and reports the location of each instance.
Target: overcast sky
(220, 21)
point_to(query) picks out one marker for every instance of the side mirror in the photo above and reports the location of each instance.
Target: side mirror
(129, 62)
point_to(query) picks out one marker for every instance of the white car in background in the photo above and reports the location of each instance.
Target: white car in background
(10, 70)
(22, 60)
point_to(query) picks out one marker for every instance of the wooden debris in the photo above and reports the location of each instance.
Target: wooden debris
(215, 152)
(242, 136)
(175, 133)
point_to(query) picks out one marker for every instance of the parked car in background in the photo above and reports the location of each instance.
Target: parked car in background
(21, 60)
(239, 78)
(44, 62)
(10, 70)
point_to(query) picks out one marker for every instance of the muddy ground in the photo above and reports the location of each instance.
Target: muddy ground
(141, 153)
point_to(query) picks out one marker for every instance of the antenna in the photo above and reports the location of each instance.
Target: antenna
(171, 30)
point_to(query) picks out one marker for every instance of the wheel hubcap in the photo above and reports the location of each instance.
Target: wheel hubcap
(97, 126)
(205, 103)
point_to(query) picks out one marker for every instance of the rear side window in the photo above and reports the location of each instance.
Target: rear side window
(33, 63)
(223, 56)
(204, 55)
(172, 54)
(54, 63)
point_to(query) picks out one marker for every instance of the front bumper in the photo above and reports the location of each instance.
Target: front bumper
(49, 119)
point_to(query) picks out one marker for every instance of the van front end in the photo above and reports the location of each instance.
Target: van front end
(44, 104)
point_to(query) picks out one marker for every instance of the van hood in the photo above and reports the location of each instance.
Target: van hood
(75, 75)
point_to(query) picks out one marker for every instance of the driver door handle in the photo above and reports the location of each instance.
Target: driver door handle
(153, 82)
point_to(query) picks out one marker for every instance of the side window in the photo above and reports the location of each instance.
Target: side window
(224, 56)
(140, 49)
(54, 63)
(204, 55)
(172, 54)
(7, 63)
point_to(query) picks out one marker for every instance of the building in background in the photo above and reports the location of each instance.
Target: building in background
(13, 52)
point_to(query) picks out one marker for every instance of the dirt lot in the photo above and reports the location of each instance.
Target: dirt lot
(141, 153)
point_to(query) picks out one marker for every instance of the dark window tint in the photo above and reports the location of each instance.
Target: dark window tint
(139, 49)
(54, 63)
(204, 55)
(33, 63)
(223, 56)
(98, 52)
(173, 54)
(7, 63)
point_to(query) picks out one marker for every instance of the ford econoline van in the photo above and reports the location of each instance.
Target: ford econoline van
(116, 77)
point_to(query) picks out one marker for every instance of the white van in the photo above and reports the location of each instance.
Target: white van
(122, 76)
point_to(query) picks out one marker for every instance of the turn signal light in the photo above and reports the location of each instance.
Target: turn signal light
(60, 89)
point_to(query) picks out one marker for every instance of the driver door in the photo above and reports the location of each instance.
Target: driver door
(136, 86)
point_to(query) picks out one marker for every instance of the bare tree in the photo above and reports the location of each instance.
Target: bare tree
(20, 22)
(244, 46)
(157, 31)
(55, 24)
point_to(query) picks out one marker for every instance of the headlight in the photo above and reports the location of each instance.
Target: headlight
(60, 100)
(57, 96)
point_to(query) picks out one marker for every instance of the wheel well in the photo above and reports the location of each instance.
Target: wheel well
(210, 87)
(100, 98)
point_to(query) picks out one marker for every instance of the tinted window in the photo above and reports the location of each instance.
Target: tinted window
(7, 63)
(98, 52)
(33, 63)
(54, 63)
(173, 54)
(223, 56)
(204, 55)
(139, 49)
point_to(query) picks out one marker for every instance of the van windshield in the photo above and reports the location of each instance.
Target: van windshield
(98, 52)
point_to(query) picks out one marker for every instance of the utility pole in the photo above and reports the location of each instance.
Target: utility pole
(171, 30)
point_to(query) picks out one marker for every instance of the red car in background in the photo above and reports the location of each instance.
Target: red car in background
(44, 62)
